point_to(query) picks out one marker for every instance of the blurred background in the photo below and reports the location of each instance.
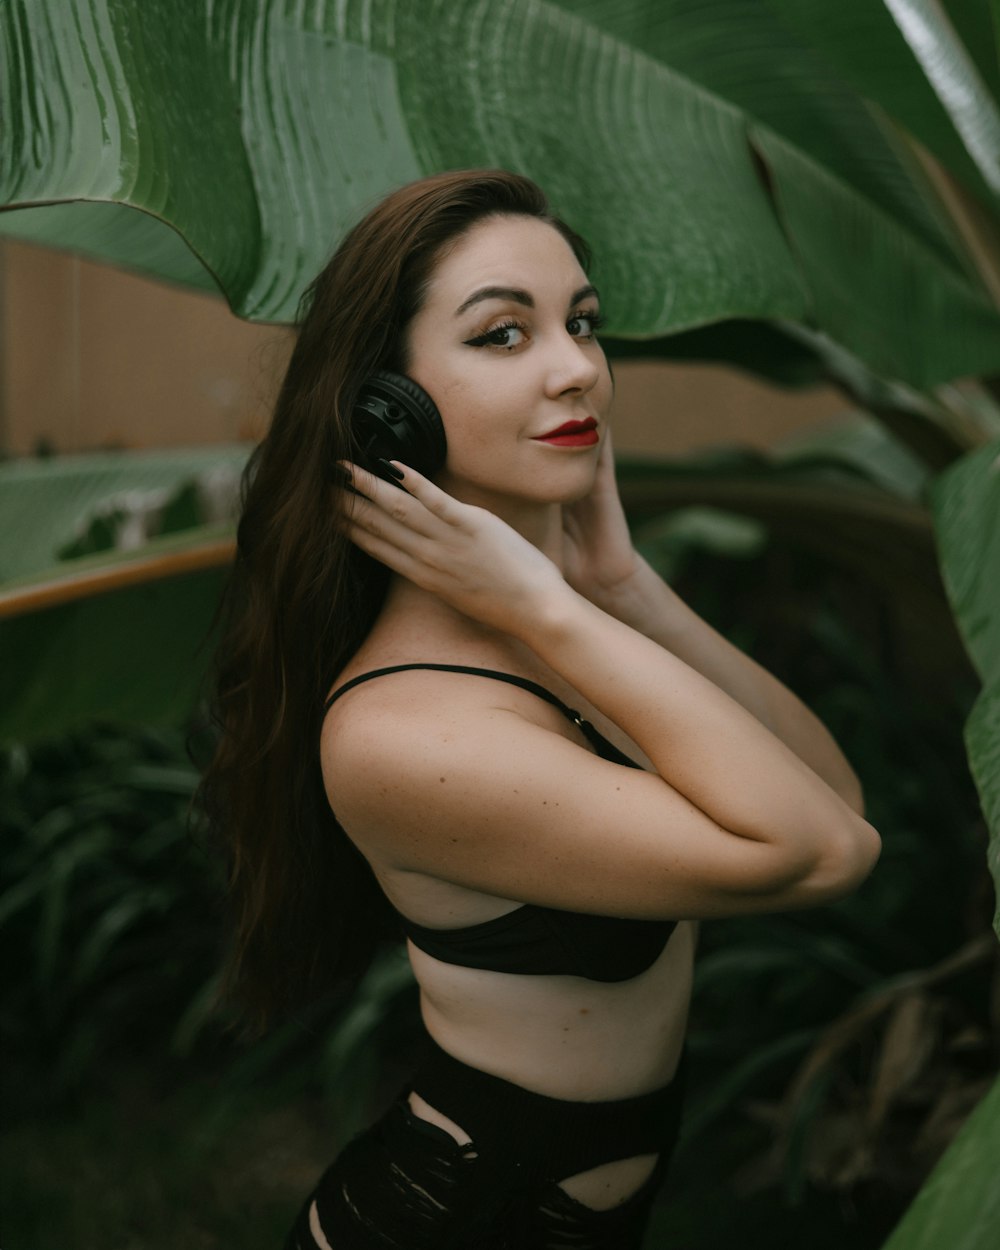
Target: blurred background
(793, 207)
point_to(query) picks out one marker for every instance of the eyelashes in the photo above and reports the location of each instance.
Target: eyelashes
(498, 336)
(501, 335)
(595, 320)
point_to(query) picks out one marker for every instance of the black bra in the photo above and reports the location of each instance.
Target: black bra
(532, 939)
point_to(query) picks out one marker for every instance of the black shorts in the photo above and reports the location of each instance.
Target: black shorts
(406, 1184)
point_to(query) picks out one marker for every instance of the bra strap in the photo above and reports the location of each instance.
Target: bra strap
(531, 686)
(605, 748)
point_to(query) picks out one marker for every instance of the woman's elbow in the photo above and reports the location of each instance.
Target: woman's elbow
(846, 859)
(813, 868)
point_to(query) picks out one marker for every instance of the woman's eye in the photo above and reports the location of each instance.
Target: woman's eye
(508, 335)
(585, 325)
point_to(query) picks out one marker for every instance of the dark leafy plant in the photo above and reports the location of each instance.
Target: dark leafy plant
(109, 909)
(842, 1048)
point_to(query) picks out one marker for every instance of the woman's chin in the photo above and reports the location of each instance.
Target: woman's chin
(578, 491)
(558, 484)
(556, 488)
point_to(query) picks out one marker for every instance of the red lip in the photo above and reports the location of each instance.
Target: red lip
(571, 427)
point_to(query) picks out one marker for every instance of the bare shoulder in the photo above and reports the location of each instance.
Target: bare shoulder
(482, 785)
(401, 723)
(411, 755)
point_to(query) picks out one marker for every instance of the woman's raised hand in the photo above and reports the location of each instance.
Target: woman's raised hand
(465, 555)
(598, 556)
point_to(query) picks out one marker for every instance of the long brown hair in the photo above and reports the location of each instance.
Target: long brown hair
(307, 912)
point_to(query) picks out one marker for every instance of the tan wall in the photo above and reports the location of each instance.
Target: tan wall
(91, 357)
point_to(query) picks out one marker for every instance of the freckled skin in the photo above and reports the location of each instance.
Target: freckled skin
(494, 400)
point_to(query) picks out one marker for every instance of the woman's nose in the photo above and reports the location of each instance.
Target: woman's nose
(573, 367)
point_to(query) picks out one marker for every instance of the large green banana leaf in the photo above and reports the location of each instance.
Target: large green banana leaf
(967, 523)
(716, 154)
(959, 1206)
(926, 66)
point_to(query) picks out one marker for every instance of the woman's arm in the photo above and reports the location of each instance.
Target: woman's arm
(703, 743)
(650, 606)
(604, 566)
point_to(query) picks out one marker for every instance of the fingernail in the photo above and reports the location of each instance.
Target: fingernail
(390, 468)
(346, 479)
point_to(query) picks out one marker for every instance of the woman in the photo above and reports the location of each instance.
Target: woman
(561, 772)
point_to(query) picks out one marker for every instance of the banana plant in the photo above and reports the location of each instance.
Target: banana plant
(801, 188)
(727, 160)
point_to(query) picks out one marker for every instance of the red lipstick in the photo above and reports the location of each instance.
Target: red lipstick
(572, 434)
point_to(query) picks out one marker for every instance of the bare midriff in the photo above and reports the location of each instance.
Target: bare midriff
(563, 1036)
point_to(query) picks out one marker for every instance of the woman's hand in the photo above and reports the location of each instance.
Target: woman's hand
(465, 555)
(598, 557)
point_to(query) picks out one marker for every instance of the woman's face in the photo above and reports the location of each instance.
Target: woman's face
(504, 344)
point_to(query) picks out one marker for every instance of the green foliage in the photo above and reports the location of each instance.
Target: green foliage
(800, 205)
(106, 899)
(53, 510)
(112, 903)
(960, 1204)
(131, 1107)
(108, 645)
(966, 504)
(132, 655)
(773, 158)
(967, 508)
(800, 1035)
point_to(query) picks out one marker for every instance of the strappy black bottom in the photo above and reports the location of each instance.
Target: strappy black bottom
(406, 1184)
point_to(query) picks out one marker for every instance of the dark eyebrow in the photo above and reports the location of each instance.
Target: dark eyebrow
(518, 296)
(496, 292)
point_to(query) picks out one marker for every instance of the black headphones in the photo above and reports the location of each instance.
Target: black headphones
(395, 419)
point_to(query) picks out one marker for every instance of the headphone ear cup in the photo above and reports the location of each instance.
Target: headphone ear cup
(423, 409)
(395, 419)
